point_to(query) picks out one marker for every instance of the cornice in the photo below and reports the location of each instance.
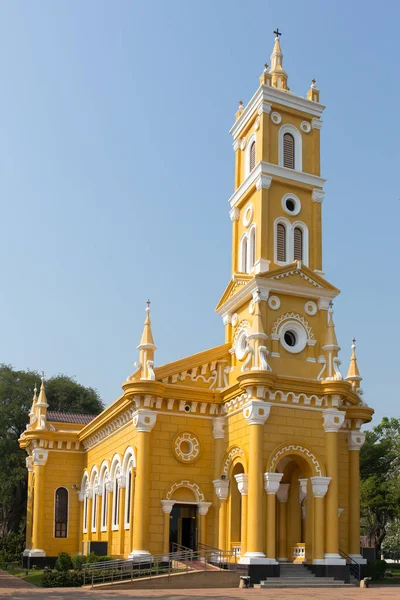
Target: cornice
(273, 285)
(266, 95)
(264, 172)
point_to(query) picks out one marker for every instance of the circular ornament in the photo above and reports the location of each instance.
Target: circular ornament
(257, 124)
(243, 144)
(274, 302)
(186, 447)
(305, 126)
(310, 308)
(276, 118)
(234, 319)
(248, 215)
(241, 345)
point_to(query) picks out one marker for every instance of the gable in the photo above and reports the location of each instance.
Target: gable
(236, 283)
(298, 274)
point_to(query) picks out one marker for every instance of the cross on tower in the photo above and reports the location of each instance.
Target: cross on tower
(277, 32)
(148, 303)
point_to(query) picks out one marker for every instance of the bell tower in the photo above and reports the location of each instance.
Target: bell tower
(276, 217)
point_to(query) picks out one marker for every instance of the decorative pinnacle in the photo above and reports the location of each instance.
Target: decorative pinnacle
(240, 102)
(35, 388)
(266, 66)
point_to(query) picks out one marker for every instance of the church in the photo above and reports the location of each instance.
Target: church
(251, 446)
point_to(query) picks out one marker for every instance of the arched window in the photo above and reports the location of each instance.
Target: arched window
(252, 156)
(129, 482)
(104, 505)
(252, 248)
(288, 151)
(61, 513)
(281, 242)
(243, 258)
(116, 504)
(297, 244)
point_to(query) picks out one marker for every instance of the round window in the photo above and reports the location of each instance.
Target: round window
(241, 345)
(291, 204)
(293, 337)
(290, 338)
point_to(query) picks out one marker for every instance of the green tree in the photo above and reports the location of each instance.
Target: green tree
(16, 391)
(380, 480)
(391, 545)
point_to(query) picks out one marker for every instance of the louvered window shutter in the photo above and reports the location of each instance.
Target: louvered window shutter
(288, 151)
(298, 244)
(281, 242)
(252, 156)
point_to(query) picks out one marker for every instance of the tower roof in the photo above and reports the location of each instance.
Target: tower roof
(42, 400)
(330, 338)
(353, 372)
(147, 340)
(279, 76)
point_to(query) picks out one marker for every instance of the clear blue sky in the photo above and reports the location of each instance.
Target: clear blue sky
(116, 167)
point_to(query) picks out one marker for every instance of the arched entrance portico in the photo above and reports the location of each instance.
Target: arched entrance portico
(184, 516)
(298, 506)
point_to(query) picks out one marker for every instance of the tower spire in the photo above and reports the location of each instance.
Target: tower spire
(33, 407)
(146, 348)
(277, 72)
(331, 350)
(42, 407)
(353, 375)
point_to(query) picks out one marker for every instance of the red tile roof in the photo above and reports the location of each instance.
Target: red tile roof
(64, 417)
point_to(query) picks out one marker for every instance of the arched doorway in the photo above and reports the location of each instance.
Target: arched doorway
(235, 510)
(294, 501)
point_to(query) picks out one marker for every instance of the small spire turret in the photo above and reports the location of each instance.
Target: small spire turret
(279, 77)
(313, 93)
(41, 406)
(33, 407)
(331, 350)
(353, 375)
(146, 348)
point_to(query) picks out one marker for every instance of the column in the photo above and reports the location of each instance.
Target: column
(256, 412)
(243, 487)
(302, 496)
(319, 488)
(271, 486)
(221, 487)
(29, 515)
(39, 460)
(355, 442)
(333, 421)
(98, 491)
(167, 506)
(144, 421)
(121, 515)
(219, 435)
(283, 495)
(203, 510)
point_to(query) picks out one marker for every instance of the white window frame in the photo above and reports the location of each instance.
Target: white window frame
(304, 229)
(54, 512)
(243, 253)
(128, 505)
(287, 225)
(247, 171)
(85, 511)
(251, 248)
(290, 227)
(104, 507)
(298, 146)
(115, 505)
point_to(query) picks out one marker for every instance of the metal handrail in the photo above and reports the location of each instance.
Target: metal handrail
(183, 561)
(355, 567)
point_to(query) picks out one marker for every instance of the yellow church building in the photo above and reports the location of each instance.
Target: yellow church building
(252, 445)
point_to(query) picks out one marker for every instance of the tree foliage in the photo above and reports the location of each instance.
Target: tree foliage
(16, 391)
(380, 480)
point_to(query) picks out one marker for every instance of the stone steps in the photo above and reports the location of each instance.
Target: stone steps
(264, 585)
(298, 576)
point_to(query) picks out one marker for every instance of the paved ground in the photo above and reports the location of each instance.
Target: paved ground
(12, 587)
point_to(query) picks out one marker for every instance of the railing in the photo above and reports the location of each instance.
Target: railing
(355, 568)
(299, 553)
(181, 560)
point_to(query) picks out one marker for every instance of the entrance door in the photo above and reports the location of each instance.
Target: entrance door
(183, 526)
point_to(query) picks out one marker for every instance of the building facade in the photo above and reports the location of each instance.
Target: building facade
(252, 445)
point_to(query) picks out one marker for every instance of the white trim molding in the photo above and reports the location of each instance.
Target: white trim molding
(267, 95)
(298, 146)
